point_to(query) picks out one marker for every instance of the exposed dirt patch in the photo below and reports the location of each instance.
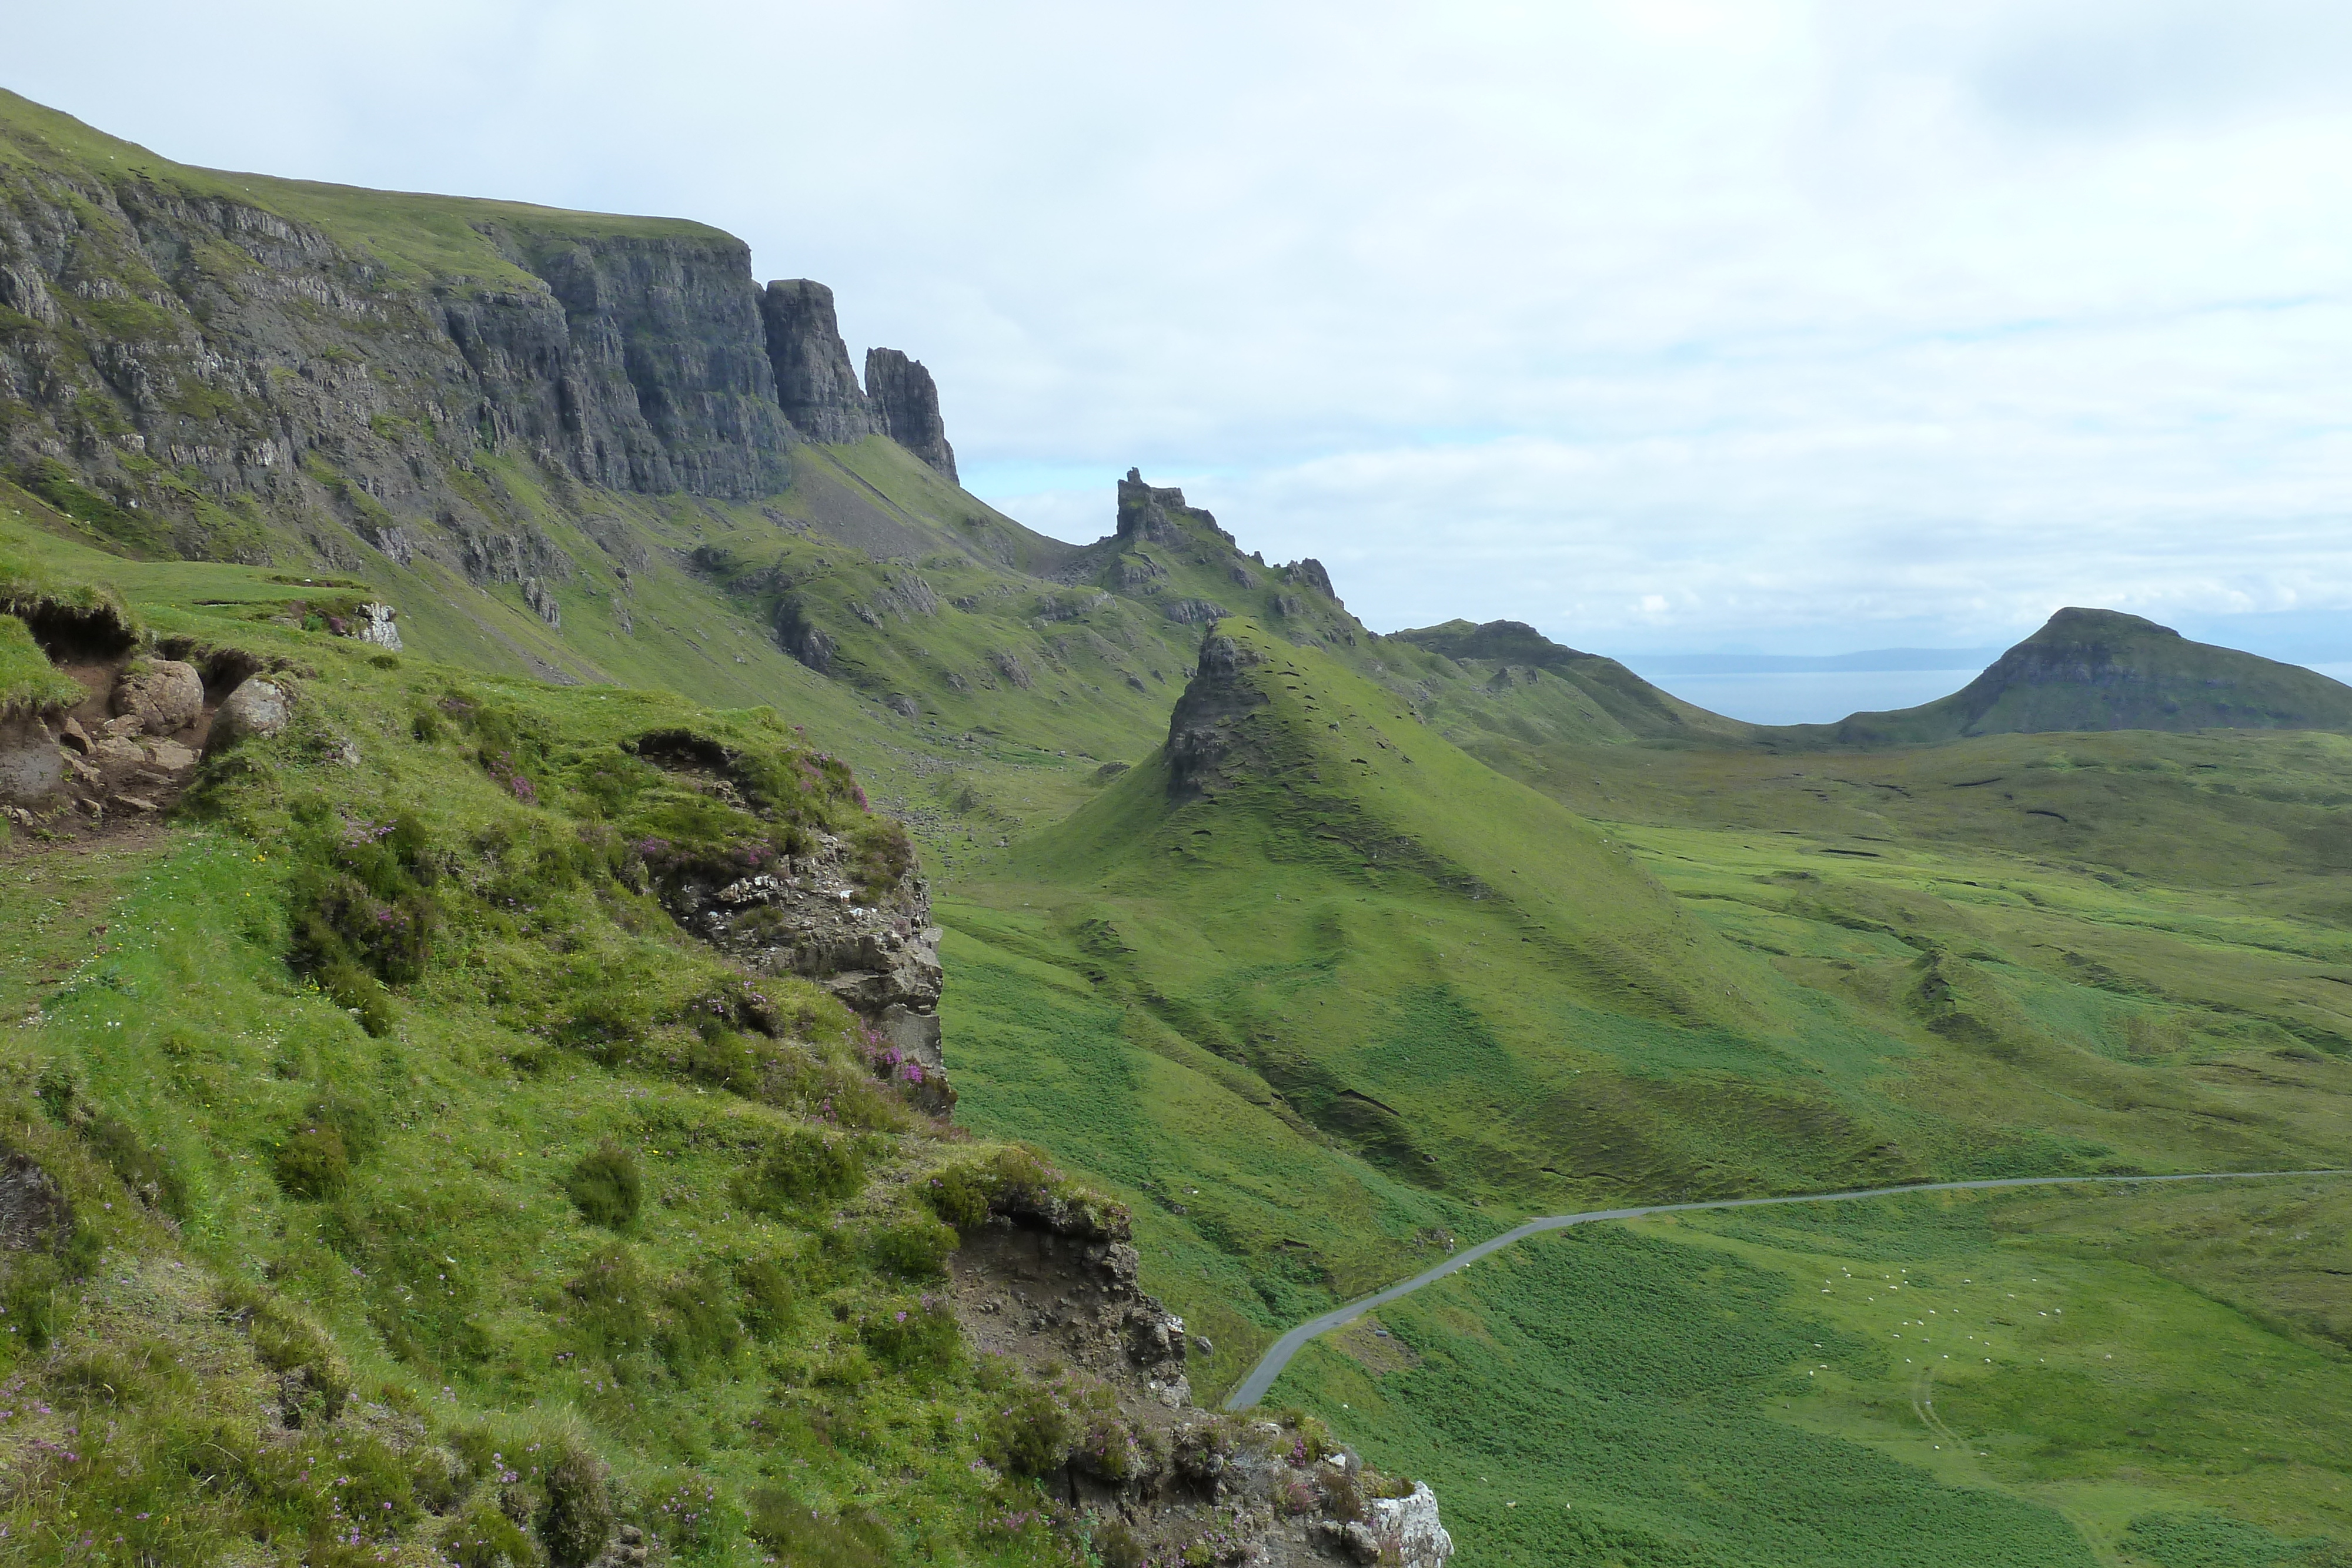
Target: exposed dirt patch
(33, 1208)
(87, 774)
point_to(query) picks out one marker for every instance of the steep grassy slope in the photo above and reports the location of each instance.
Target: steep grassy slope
(2130, 947)
(1281, 973)
(387, 1170)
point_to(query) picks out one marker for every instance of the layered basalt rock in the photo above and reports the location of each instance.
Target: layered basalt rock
(907, 403)
(163, 321)
(260, 355)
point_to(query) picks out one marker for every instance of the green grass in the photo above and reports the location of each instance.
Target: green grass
(1235, 1015)
(28, 681)
(1943, 1378)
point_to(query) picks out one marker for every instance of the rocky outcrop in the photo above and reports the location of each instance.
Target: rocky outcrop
(819, 392)
(907, 403)
(1055, 1287)
(803, 638)
(1206, 733)
(661, 380)
(814, 384)
(487, 558)
(1147, 515)
(377, 623)
(257, 708)
(877, 950)
(543, 602)
(1309, 573)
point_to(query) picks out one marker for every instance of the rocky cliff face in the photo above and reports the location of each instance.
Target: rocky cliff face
(879, 954)
(237, 368)
(172, 350)
(906, 402)
(819, 392)
(814, 383)
(666, 371)
(1057, 1289)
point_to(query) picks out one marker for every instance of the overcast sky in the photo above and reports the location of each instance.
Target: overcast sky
(1662, 325)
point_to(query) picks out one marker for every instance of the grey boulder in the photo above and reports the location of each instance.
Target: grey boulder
(257, 707)
(163, 694)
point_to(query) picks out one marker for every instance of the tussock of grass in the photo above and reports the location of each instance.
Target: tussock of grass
(28, 681)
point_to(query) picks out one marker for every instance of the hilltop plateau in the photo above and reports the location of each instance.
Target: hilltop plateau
(605, 965)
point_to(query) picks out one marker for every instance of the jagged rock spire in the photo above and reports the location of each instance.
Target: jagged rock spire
(815, 382)
(906, 401)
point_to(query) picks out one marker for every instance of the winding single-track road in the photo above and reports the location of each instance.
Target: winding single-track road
(1269, 1367)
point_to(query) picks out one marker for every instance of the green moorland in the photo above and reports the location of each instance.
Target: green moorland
(1340, 1012)
(2122, 1378)
(1316, 1026)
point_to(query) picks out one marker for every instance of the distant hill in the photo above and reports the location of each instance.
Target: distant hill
(2100, 670)
(1505, 653)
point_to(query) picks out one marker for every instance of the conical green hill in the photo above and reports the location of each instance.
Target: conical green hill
(2102, 669)
(1279, 755)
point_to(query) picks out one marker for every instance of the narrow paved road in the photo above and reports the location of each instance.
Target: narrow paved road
(1269, 1367)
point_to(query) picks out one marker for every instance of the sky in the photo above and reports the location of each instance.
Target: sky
(1670, 325)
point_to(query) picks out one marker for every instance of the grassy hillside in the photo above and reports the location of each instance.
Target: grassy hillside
(389, 1171)
(1517, 656)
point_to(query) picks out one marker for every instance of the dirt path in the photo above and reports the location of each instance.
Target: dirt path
(1269, 1367)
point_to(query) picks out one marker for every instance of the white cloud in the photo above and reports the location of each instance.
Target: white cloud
(1820, 325)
